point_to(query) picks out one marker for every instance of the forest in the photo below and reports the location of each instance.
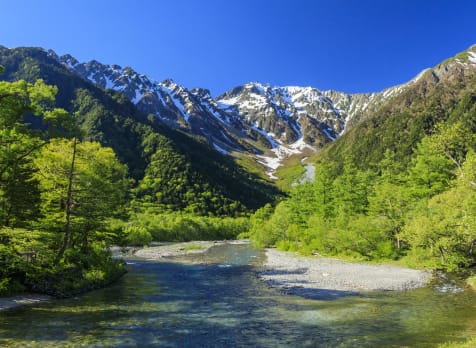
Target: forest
(399, 187)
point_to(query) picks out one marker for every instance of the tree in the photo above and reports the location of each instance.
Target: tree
(431, 172)
(390, 203)
(351, 190)
(82, 185)
(444, 227)
(27, 123)
(454, 141)
(323, 182)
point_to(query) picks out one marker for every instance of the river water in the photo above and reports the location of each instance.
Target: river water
(216, 300)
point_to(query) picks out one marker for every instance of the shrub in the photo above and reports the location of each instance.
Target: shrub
(137, 235)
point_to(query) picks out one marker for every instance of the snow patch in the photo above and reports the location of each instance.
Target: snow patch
(282, 152)
(220, 149)
(269, 136)
(472, 57)
(326, 132)
(138, 97)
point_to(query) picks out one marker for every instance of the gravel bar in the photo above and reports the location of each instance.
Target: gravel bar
(330, 278)
(175, 249)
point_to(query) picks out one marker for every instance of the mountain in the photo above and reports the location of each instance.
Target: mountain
(445, 93)
(160, 159)
(269, 123)
(272, 123)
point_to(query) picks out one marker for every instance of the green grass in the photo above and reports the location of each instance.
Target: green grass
(190, 247)
(290, 172)
(250, 164)
(469, 343)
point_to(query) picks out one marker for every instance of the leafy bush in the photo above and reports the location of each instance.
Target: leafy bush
(137, 235)
(182, 227)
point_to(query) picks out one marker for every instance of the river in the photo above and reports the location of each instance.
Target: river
(216, 300)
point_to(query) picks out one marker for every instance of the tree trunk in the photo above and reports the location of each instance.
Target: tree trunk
(69, 194)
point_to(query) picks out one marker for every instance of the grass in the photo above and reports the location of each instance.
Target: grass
(290, 172)
(469, 343)
(192, 247)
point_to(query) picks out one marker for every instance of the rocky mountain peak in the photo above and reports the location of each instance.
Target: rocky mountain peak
(254, 118)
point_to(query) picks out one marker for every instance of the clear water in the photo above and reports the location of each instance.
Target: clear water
(223, 304)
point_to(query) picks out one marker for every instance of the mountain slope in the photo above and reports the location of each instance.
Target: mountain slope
(270, 123)
(444, 93)
(212, 180)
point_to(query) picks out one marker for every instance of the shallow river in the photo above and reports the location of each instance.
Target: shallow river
(223, 304)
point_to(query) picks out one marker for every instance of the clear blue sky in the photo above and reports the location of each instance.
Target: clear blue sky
(346, 45)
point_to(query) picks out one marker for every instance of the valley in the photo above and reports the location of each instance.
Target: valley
(95, 155)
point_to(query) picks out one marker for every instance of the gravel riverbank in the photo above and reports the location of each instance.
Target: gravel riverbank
(329, 278)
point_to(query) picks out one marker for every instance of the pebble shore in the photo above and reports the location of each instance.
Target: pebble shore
(328, 277)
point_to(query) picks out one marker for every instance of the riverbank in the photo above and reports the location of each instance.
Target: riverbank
(328, 277)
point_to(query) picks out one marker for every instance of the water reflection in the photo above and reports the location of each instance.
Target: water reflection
(215, 300)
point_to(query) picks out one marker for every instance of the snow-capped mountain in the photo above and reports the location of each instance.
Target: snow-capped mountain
(268, 122)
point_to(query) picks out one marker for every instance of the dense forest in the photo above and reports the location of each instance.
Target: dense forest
(400, 185)
(81, 169)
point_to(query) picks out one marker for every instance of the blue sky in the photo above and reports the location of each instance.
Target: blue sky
(345, 45)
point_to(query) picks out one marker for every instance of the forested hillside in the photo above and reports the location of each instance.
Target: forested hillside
(192, 175)
(81, 169)
(400, 185)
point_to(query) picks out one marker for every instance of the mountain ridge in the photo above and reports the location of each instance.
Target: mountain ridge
(270, 123)
(438, 95)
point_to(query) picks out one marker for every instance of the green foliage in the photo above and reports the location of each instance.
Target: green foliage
(404, 120)
(21, 103)
(35, 169)
(193, 178)
(471, 281)
(137, 235)
(289, 173)
(446, 227)
(78, 272)
(183, 227)
(94, 188)
(469, 343)
(11, 270)
(423, 213)
(63, 186)
(192, 247)
(430, 172)
(203, 182)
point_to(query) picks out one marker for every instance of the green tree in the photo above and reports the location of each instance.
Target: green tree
(431, 172)
(351, 190)
(390, 204)
(82, 185)
(22, 104)
(323, 183)
(443, 229)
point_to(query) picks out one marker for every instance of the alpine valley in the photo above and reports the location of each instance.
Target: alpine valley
(95, 154)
